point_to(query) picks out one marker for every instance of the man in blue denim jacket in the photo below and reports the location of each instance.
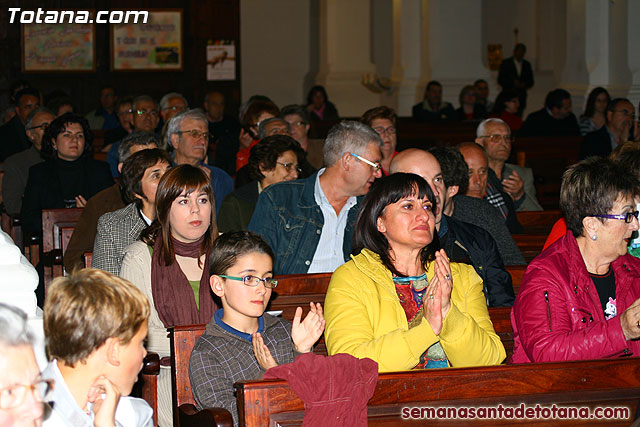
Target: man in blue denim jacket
(309, 222)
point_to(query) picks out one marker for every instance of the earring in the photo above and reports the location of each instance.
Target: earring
(594, 237)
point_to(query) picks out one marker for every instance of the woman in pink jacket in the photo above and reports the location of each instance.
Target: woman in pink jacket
(580, 299)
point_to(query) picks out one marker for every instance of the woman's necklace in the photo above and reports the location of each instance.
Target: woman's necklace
(418, 283)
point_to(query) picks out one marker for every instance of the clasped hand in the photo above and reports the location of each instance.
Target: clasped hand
(435, 309)
(303, 334)
(630, 321)
(514, 186)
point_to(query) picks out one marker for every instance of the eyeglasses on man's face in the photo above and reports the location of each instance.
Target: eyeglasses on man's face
(152, 113)
(496, 138)
(253, 281)
(628, 217)
(290, 166)
(176, 108)
(376, 166)
(14, 395)
(44, 125)
(626, 113)
(195, 133)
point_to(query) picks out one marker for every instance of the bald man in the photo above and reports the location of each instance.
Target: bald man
(463, 242)
(476, 158)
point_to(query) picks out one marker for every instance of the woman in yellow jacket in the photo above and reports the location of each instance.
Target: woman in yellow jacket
(399, 301)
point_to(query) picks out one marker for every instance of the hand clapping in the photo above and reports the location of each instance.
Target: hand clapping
(304, 334)
(437, 298)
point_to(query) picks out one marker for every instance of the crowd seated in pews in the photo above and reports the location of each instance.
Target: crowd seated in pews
(452, 320)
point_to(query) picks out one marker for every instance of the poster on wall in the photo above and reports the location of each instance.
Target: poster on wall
(221, 60)
(154, 46)
(59, 47)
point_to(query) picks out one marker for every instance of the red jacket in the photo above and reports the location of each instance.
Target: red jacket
(335, 389)
(557, 314)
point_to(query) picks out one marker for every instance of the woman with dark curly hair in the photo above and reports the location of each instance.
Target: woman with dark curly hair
(69, 177)
(274, 159)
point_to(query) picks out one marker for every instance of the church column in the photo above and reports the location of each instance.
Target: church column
(410, 72)
(597, 53)
(633, 51)
(345, 55)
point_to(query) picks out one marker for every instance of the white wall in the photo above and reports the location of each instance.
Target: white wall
(275, 52)
(281, 55)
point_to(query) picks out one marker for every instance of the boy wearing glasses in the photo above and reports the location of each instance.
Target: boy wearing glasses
(241, 342)
(95, 326)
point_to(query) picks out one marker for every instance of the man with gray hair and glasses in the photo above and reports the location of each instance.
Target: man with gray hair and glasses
(309, 222)
(188, 135)
(517, 181)
(16, 167)
(171, 104)
(22, 390)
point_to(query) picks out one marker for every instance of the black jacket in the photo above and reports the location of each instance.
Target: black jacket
(596, 143)
(509, 73)
(540, 123)
(13, 138)
(467, 243)
(44, 189)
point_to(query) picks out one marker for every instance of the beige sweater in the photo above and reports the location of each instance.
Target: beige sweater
(136, 268)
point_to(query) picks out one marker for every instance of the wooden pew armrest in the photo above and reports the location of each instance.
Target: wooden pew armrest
(151, 364)
(189, 416)
(51, 258)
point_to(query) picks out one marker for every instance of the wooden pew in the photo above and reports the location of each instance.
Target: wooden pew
(55, 223)
(588, 383)
(183, 339)
(516, 272)
(536, 222)
(530, 244)
(297, 290)
(88, 258)
(12, 226)
(594, 383)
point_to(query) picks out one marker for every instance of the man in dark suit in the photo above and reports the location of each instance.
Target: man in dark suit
(13, 137)
(555, 119)
(620, 117)
(516, 74)
(432, 109)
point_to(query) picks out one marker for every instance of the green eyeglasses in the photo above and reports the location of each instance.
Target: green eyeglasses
(253, 281)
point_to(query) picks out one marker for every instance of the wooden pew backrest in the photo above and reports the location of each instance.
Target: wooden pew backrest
(538, 222)
(585, 383)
